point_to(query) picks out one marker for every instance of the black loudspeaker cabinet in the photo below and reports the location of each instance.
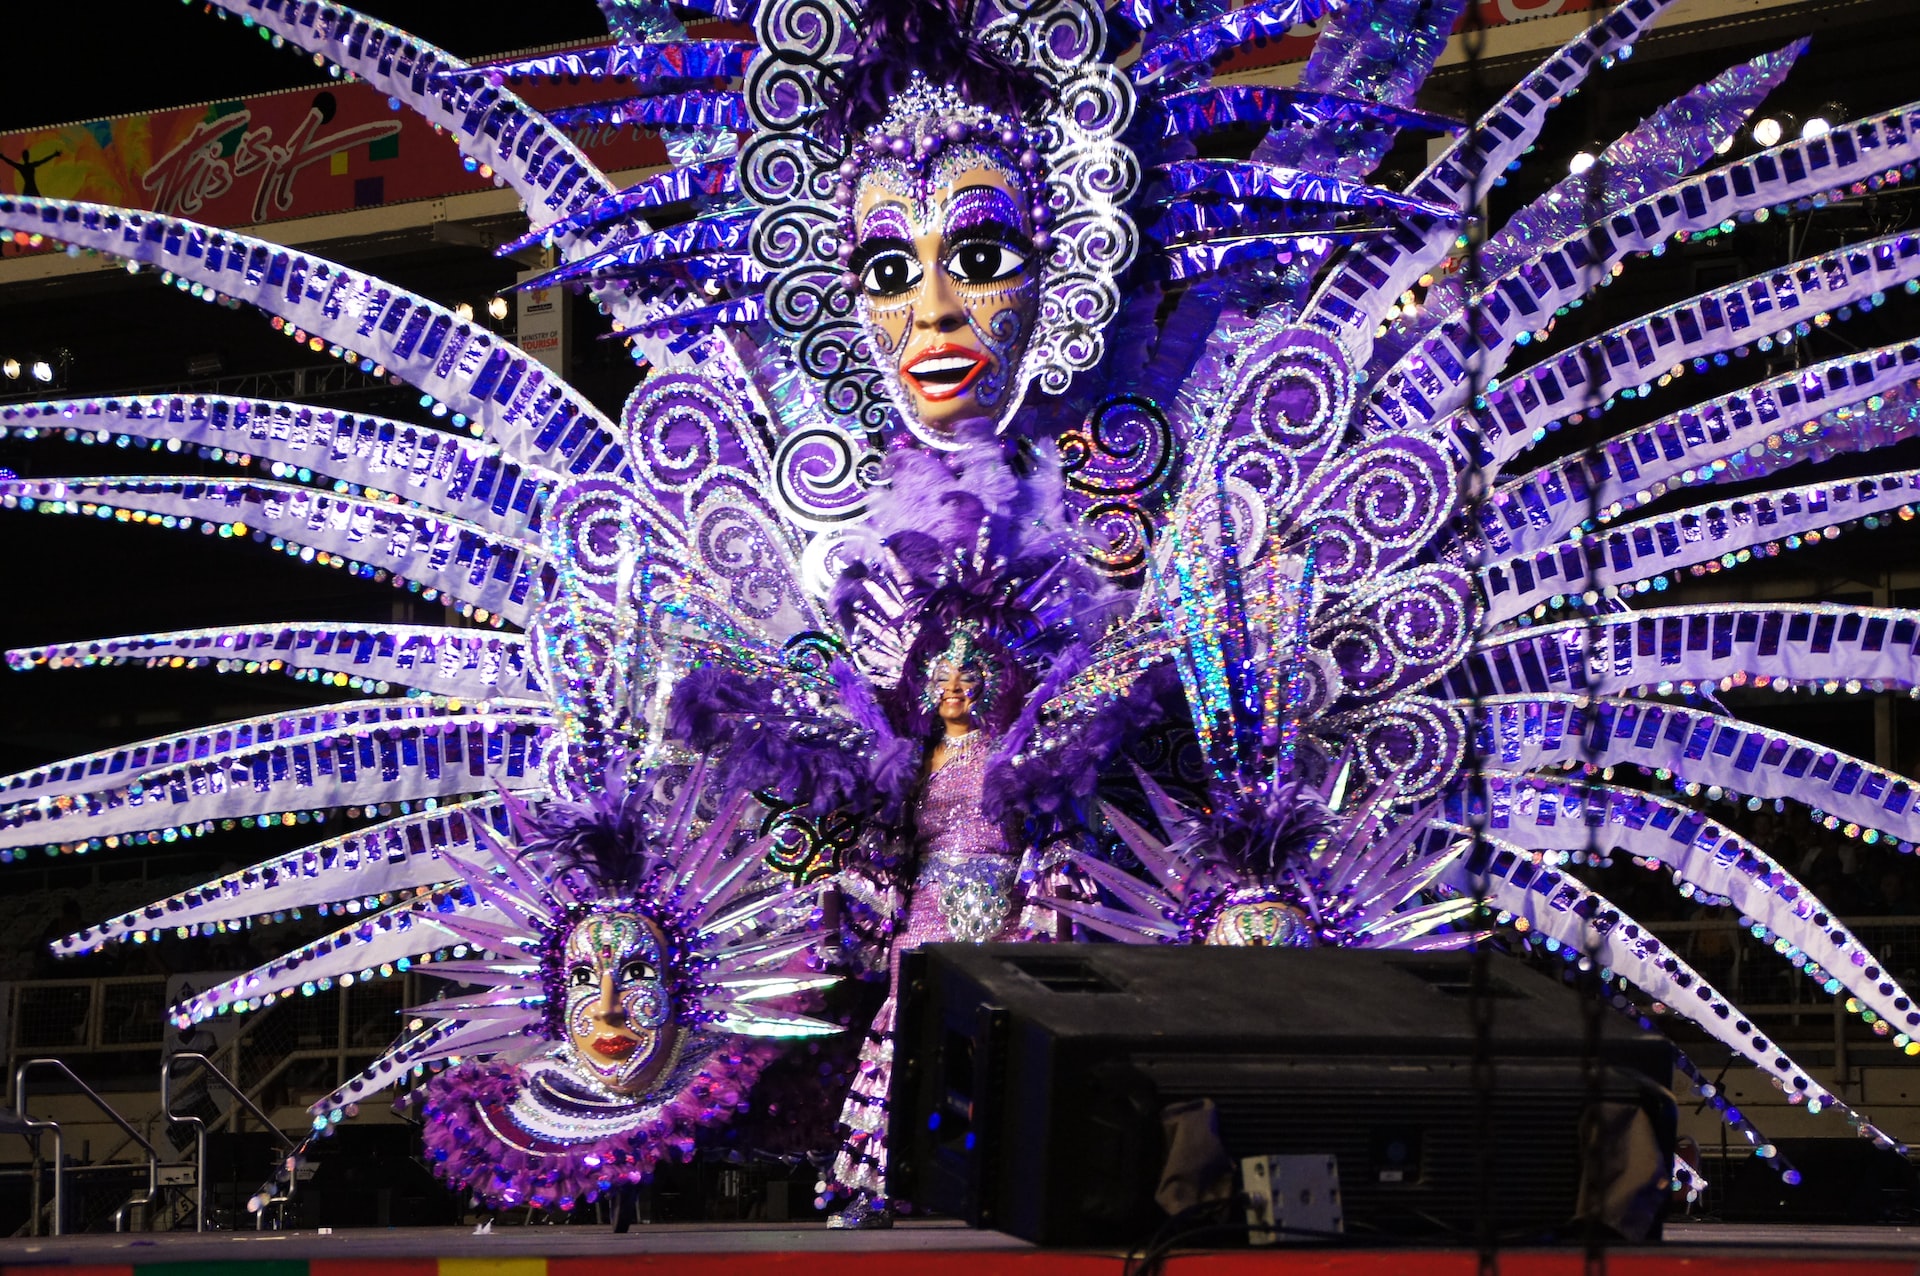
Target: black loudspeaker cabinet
(1029, 1081)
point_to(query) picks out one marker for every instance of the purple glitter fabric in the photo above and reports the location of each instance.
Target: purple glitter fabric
(474, 1141)
(1383, 47)
(964, 889)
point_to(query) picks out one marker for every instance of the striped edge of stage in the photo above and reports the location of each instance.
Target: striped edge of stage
(1018, 1263)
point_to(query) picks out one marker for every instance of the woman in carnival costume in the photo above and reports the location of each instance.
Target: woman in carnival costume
(961, 882)
(972, 315)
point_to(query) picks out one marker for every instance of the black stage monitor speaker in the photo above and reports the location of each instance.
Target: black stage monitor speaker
(1030, 1080)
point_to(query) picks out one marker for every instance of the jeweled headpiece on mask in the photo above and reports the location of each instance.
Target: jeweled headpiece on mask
(824, 93)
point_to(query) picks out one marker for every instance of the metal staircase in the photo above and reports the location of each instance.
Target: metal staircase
(157, 1173)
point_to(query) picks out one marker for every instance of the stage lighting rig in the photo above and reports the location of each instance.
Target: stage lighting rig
(34, 371)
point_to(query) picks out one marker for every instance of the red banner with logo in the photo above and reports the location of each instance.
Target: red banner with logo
(275, 156)
(327, 150)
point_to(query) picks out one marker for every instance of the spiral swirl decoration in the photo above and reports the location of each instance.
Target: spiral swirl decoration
(736, 547)
(822, 476)
(1119, 466)
(594, 520)
(1379, 506)
(1399, 634)
(1416, 743)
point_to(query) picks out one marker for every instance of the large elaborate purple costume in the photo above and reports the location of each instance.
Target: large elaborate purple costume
(949, 323)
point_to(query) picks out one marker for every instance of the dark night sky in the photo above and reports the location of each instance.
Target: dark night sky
(131, 55)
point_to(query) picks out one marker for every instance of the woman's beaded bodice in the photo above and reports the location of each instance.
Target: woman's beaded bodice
(965, 886)
(950, 821)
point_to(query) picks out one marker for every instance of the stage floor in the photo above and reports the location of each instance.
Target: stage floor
(920, 1249)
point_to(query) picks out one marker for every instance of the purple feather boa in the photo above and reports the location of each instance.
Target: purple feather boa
(971, 529)
(756, 744)
(759, 745)
(1053, 781)
(1014, 488)
(468, 1129)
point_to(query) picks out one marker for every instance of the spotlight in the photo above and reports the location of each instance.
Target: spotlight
(47, 367)
(497, 307)
(1815, 127)
(463, 312)
(1724, 145)
(1580, 163)
(1768, 131)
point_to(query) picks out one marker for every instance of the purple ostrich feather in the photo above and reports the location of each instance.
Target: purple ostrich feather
(761, 746)
(1263, 834)
(935, 38)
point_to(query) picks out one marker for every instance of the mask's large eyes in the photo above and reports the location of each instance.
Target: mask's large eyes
(984, 261)
(635, 971)
(581, 977)
(889, 274)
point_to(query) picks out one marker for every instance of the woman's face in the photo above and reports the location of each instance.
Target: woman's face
(956, 691)
(948, 281)
(619, 1009)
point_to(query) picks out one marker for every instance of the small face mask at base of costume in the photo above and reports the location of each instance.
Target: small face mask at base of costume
(619, 1009)
(1259, 919)
(948, 282)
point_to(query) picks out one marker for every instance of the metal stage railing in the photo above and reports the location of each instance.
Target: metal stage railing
(109, 1035)
(199, 1124)
(29, 1122)
(114, 1032)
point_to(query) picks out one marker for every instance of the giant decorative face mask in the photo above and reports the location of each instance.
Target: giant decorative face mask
(948, 278)
(619, 1005)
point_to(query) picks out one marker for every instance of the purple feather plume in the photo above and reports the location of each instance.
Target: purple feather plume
(935, 38)
(1050, 781)
(1263, 834)
(600, 833)
(759, 745)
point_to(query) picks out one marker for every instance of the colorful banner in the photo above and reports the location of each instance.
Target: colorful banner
(327, 150)
(276, 156)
